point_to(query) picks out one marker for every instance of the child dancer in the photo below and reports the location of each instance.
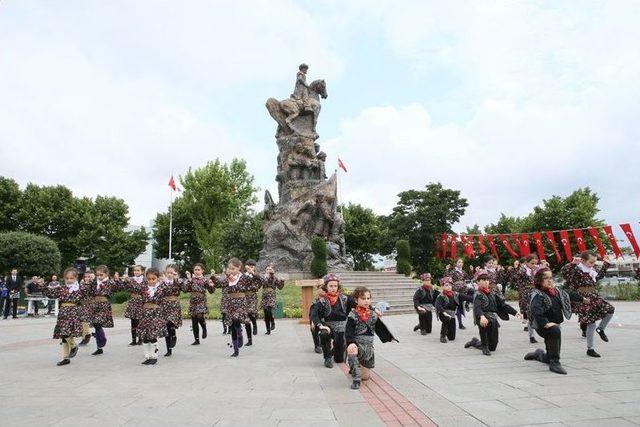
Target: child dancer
(330, 318)
(362, 322)
(487, 306)
(424, 301)
(581, 276)
(251, 296)
(170, 303)
(522, 277)
(459, 279)
(547, 310)
(135, 285)
(447, 304)
(85, 305)
(100, 307)
(69, 323)
(152, 325)
(312, 326)
(197, 285)
(234, 285)
(269, 285)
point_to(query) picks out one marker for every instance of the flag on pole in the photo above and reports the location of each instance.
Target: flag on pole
(341, 165)
(172, 184)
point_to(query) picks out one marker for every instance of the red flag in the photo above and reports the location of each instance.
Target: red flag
(580, 240)
(525, 250)
(632, 239)
(537, 238)
(172, 184)
(454, 246)
(467, 246)
(438, 251)
(444, 245)
(492, 245)
(566, 244)
(595, 235)
(516, 238)
(341, 165)
(507, 245)
(481, 247)
(552, 240)
(612, 240)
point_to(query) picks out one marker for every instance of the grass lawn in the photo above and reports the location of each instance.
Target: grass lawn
(290, 296)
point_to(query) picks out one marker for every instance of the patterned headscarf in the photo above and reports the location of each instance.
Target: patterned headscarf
(425, 276)
(331, 277)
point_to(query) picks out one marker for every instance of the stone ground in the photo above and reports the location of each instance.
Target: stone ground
(280, 381)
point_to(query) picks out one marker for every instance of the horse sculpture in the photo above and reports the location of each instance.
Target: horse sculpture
(286, 111)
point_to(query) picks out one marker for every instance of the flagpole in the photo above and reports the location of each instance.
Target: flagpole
(170, 218)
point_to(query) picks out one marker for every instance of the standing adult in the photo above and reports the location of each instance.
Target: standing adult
(14, 285)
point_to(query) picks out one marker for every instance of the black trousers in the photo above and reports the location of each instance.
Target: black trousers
(11, 304)
(315, 337)
(552, 341)
(489, 335)
(448, 327)
(338, 350)
(425, 320)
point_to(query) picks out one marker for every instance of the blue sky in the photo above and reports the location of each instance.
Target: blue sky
(509, 102)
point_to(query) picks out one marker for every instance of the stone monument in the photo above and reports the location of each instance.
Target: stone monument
(307, 203)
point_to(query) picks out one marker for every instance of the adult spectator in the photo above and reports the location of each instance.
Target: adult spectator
(4, 293)
(52, 302)
(33, 288)
(14, 285)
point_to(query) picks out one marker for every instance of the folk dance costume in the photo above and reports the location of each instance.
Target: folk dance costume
(85, 310)
(270, 283)
(312, 327)
(70, 315)
(550, 305)
(362, 324)
(171, 312)
(583, 279)
(486, 303)
(223, 311)
(424, 300)
(522, 278)
(100, 310)
(459, 284)
(235, 288)
(135, 286)
(152, 322)
(198, 307)
(446, 306)
(495, 276)
(254, 283)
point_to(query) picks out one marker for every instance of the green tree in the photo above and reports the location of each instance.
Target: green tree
(242, 237)
(9, 204)
(403, 263)
(417, 216)
(362, 234)
(319, 262)
(34, 255)
(184, 245)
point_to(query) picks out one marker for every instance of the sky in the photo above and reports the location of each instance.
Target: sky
(509, 102)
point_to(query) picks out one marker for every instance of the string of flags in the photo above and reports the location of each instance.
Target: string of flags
(523, 244)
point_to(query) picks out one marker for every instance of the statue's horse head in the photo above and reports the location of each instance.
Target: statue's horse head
(319, 87)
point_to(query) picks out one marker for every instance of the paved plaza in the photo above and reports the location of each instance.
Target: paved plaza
(281, 381)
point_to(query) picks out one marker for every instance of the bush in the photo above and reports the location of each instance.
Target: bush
(120, 297)
(403, 265)
(512, 295)
(33, 255)
(319, 262)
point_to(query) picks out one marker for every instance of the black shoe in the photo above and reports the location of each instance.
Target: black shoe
(249, 342)
(443, 339)
(146, 362)
(416, 328)
(423, 332)
(473, 343)
(85, 340)
(73, 352)
(62, 362)
(461, 327)
(328, 362)
(318, 349)
(196, 342)
(355, 385)
(603, 336)
(235, 354)
(152, 361)
(534, 355)
(168, 353)
(533, 340)
(97, 352)
(557, 368)
(591, 352)
(526, 329)
(486, 351)
(14, 317)
(132, 343)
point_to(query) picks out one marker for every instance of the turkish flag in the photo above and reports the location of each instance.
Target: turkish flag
(492, 245)
(566, 244)
(481, 247)
(582, 246)
(341, 165)
(537, 238)
(612, 240)
(525, 249)
(516, 238)
(438, 251)
(444, 245)
(467, 245)
(632, 239)
(505, 241)
(552, 241)
(454, 246)
(595, 235)
(172, 184)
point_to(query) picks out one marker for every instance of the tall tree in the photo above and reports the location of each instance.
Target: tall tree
(184, 247)
(9, 204)
(242, 237)
(362, 235)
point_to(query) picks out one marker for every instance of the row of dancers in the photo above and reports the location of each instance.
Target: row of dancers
(543, 306)
(154, 307)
